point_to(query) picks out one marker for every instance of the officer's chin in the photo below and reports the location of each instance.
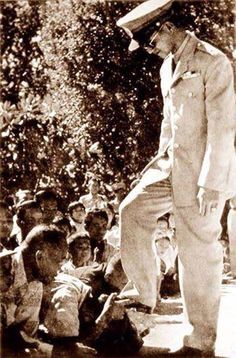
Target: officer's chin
(159, 53)
(155, 52)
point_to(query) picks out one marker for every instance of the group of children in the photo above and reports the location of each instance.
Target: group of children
(61, 275)
(61, 278)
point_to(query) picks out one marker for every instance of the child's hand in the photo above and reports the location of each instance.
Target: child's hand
(96, 254)
(114, 308)
(84, 351)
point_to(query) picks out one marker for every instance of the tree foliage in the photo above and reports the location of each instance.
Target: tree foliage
(74, 100)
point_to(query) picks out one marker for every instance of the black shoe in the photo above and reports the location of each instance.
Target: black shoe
(140, 307)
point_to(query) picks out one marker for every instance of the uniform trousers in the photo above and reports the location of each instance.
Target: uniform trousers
(200, 255)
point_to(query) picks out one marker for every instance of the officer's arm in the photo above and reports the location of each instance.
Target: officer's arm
(220, 115)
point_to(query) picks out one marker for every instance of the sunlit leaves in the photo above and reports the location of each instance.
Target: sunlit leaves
(74, 100)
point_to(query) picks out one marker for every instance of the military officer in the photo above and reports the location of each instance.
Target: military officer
(193, 173)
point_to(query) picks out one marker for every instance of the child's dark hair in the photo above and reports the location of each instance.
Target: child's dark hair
(164, 218)
(47, 194)
(74, 240)
(74, 205)
(162, 238)
(26, 205)
(92, 214)
(62, 221)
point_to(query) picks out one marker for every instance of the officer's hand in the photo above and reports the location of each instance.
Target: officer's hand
(208, 201)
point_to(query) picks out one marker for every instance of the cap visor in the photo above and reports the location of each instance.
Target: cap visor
(134, 45)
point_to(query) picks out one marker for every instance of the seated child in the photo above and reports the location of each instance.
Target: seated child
(77, 214)
(166, 261)
(96, 225)
(76, 315)
(163, 227)
(80, 249)
(103, 278)
(35, 262)
(63, 224)
(226, 254)
(50, 202)
(28, 215)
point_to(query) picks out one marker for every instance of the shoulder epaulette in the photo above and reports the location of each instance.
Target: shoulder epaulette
(206, 47)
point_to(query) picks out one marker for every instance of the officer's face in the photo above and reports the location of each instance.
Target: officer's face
(161, 42)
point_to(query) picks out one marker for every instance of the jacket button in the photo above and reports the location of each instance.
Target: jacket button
(190, 94)
(172, 90)
(176, 127)
(176, 145)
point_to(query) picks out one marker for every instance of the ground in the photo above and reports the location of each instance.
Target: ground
(167, 327)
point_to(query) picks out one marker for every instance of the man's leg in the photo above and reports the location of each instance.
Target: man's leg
(138, 217)
(231, 226)
(200, 268)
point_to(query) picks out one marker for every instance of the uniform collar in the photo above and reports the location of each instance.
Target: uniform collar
(186, 52)
(180, 50)
(186, 55)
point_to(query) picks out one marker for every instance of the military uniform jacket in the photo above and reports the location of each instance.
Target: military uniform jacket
(198, 129)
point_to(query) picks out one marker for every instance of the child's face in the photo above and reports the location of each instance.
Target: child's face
(33, 217)
(162, 245)
(162, 225)
(5, 223)
(120, 193)
(94, 187)
(82, 253)
(78, 214)
(97, 228)
(49, 205)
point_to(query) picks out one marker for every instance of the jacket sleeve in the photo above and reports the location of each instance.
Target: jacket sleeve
(221, 123)
(62, 318)
(27, 312)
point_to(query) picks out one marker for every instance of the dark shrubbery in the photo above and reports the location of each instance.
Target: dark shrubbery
(74, 100)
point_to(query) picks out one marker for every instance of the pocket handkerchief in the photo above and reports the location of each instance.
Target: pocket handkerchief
(189, 74)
